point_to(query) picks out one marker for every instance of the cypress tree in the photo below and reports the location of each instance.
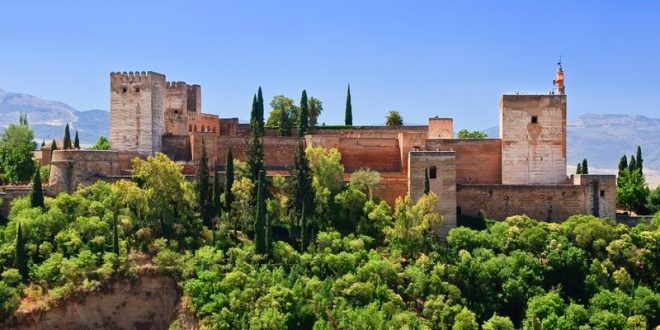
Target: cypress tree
(640, 160)
(302, 192)
(21, 256)
(579, 169)
(216, 204)
(43, 143)
(427, 182)
(283, 126)
(585, 167)
(304, 231)
(632, 166)
(303, 118)
(623, 164)
(67, 138)
(348, 119)
(255, 147)
(202, 183)
(76, 141)
(53, 145)
(229, 179)
(260, 216)
(260, 111)
(36, 192)
(115, 236)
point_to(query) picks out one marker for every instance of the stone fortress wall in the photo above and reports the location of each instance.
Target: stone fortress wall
(523, 172)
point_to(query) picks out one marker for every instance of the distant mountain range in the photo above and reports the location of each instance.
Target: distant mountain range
(602, 139)
(48, 118)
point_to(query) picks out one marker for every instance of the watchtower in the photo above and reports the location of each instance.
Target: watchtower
(136, 111)
(533, 132)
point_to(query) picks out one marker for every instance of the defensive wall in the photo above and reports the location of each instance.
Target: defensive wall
(70, 168)
(477, 161)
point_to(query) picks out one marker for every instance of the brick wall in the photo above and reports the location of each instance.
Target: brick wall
(477, 161)
(374, 153)
(441, 128)
(177, 147)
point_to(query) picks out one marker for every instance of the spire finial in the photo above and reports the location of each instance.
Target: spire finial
(559, 79)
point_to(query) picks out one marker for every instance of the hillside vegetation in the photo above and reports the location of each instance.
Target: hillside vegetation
(367, 265)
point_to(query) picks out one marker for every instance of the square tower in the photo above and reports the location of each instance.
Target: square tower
(136, 111)
(533, 133)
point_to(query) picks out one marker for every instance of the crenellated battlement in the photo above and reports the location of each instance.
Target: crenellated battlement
(132, 77)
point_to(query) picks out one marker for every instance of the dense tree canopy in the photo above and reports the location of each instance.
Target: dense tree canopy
(16, 145)
(465, 134)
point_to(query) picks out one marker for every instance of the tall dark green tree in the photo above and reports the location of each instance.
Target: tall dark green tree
(303, 118)
(20, 256)
(579, 169)
(585, 167)
(43, 143)
(427, 182)
(255, 148)
(229, 179)
(284, 123)
(348, 116)
(640, 160)
(623, 164)
(260, 110)
(203, 187)
(304, 230)
(115, 236)
(67, 138)
(36, 192)
(53, 145)
(216, 201)
(632, 165)
(302, 192)
(260, 216)
(76, 141)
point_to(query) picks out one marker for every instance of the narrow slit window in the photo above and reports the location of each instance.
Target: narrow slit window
(602, 193)
(535, 119)
(432, 172)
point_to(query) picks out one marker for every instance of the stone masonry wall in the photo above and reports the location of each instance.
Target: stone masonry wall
(477, 161)
(136, 111)
(177, 147)
(443, 185)
(600, 194)
(176, 108)
(533, 132)
(441, 128)
(70, 168)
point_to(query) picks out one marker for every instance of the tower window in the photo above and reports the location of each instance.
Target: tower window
(433, 172)
(123, 90)
(137, 89)
(535, 119)
(602, 193)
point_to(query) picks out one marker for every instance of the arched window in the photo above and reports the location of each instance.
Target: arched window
(433, 172)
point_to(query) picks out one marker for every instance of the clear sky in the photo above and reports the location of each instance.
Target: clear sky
(424, 58)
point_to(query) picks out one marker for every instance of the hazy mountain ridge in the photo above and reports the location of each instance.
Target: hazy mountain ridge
(48, 118)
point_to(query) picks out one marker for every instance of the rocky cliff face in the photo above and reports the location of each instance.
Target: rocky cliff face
(149, 301)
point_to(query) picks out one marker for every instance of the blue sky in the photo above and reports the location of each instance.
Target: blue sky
(424, 58)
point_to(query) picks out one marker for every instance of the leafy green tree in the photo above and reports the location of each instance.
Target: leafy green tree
(115, 236)
(653, 200)
(36, 192)
(284, 123)
(260, 216)
(101, 144)
(9, 299)
(315, 109)
(427, 182)
(365, 180)
(414, 223)
(284, 113)
(203, 189)
(327, 175)
(348, 116)
(67, 138)
(21, 258)
(76, 141)
(465, 134)
(16, 146)
(229, 179)
(632, 191)
(585, 167)
(497, 322)
(303, 118)
(393, 118)
(465, 320)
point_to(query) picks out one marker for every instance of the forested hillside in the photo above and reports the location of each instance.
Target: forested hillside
(366, 265)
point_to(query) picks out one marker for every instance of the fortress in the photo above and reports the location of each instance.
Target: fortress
(522, 172)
